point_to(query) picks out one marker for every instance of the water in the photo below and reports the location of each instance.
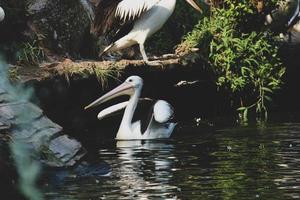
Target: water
(233, 163)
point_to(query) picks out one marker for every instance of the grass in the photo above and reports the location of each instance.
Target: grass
(30, 54)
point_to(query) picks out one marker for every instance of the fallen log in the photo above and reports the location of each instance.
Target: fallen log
(83, 69)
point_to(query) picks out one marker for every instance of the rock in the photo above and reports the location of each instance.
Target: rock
(27, 123)
(60, 25)
(66, 153)
(4, 125)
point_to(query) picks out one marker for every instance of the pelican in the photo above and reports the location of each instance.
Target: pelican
(157, 126)
(142, 17)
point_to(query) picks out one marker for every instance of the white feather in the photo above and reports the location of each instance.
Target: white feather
(129, 9)
(162, 111)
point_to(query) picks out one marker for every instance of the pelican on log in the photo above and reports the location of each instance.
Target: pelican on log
(158, 123)
(138, 20)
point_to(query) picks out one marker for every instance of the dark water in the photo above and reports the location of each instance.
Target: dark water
(233, 163)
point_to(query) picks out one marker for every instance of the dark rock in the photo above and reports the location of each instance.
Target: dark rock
(4, 125)
(27, 123)
(59, 25)
(66, 153)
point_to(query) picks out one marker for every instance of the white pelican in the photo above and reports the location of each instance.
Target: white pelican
(140, 19)
(158, 124)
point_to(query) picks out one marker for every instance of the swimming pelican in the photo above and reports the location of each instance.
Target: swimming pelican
(140, 19)
(157, 126)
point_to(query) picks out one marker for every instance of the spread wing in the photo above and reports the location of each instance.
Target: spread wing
(104, 16)
(111, 14)
(130, 9)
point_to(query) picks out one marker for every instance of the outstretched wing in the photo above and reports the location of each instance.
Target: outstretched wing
(111, 14)
(104, 16)
(130, 9)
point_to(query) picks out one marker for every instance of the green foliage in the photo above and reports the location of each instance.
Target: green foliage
(180, 23)
(30, 54)
(245, 63)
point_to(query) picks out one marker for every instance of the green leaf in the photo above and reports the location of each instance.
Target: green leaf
(268, 98)
(245, 115)
(241, 108)
(267, 89)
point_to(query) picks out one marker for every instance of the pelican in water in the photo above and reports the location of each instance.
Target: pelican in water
(158, 124)
(139, 18)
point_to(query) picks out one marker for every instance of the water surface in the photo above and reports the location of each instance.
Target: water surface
(233, 163)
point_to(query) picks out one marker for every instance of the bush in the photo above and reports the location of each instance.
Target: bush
(243, 58)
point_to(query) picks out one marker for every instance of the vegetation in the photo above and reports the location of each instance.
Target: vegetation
(242, 55)
(80, 70)
(180, 23)
(30, 54)
(103, 75)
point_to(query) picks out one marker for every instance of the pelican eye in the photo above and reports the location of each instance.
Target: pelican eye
(130, 80)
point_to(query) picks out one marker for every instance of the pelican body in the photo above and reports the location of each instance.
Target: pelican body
(147, 16)
(157, 126)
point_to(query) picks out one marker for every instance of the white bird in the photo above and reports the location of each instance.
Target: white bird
(140, 20)
(2, 14)
(158, 124)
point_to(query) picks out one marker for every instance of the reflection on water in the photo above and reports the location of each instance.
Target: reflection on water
(143, 168)
(236, 163)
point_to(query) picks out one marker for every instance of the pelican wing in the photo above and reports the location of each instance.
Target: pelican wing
(130, 9)
(104, 19)
(163, 111)
(160, 112)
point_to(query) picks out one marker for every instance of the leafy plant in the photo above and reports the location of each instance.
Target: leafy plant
(30, 54)
(244, 63)
(181, 22)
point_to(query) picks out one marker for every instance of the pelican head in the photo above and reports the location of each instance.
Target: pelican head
(131, 85)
